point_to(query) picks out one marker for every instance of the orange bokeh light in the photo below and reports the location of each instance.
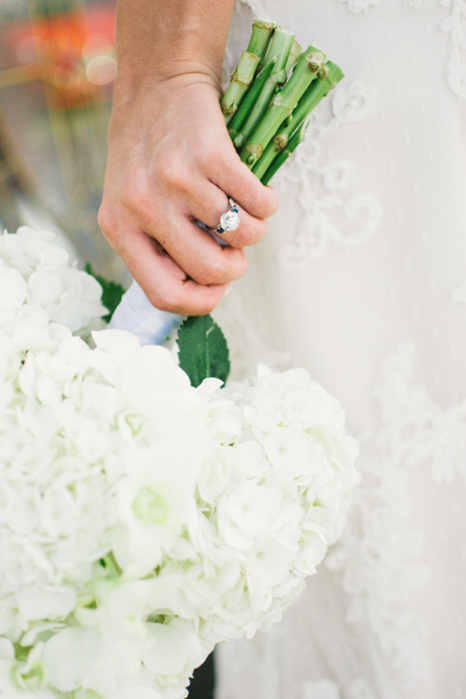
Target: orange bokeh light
(75, 52)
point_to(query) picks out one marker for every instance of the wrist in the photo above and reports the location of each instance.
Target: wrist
(138, 87)
(134, 77)
(157, 40)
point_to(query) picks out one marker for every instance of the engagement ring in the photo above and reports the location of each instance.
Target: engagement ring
(229, 221)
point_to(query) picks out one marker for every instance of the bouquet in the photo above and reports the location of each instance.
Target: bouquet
(143, 519)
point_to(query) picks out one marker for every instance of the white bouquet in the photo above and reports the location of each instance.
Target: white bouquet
(143, 520)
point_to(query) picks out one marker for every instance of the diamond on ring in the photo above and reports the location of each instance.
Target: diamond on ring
(229, 221)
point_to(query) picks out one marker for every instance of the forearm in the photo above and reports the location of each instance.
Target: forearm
(158, 39)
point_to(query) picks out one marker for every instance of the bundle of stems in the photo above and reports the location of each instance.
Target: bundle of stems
(272, 93)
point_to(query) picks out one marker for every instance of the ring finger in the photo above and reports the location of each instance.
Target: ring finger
(209, 207)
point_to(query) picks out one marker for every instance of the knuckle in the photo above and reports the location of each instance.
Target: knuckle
(263, 201)
(258, 205)
(243, 268)
(208, 148)
(173, 173)
(239, 264)
(244, 236)
(136, 195)
(272, 200)
(212, 272)
(175, 300)
(168, 299)
(109, 225)
(202, 309)
(105, 220)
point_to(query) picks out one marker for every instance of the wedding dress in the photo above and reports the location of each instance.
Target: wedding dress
(362, 279)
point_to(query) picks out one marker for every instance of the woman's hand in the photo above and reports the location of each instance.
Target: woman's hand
(171, 160)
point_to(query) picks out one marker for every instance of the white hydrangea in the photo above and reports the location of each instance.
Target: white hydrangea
(143, 520)
(64, 293)
(271, 497)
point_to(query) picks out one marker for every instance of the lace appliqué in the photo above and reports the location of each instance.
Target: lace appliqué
(420, 429)
(333, 209)
(359, 5)
(376, 556)
(455, 25)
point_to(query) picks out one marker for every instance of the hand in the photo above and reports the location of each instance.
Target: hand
(171, 161)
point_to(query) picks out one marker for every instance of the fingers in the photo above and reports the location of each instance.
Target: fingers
(220, 175)
(249, 232)
(209, 206)
(164, 282)
(163, 172)
(194, 250)
(235, 179)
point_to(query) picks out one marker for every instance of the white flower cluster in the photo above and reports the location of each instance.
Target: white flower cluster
(40, 276)
(270, 497)
(143, 520)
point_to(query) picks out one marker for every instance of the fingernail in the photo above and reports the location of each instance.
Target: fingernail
(228, 290)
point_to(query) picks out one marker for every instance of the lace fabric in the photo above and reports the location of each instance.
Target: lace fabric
(362, 280)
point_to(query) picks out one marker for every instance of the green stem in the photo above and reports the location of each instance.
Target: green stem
(293, 57)
(246, 68)
(260, 37)
(239, 84)
(282, 105)
(328, 77)
(279, 50)
(249, 100)
(285, 153)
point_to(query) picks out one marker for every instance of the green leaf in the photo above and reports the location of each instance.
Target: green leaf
(202, 349)
(111, 292)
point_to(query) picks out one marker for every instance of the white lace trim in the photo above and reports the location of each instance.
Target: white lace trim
(455, 25)
(357, 6)
(376, 556)
(333, 209)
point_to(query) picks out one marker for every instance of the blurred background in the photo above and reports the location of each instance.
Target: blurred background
(57, 67)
